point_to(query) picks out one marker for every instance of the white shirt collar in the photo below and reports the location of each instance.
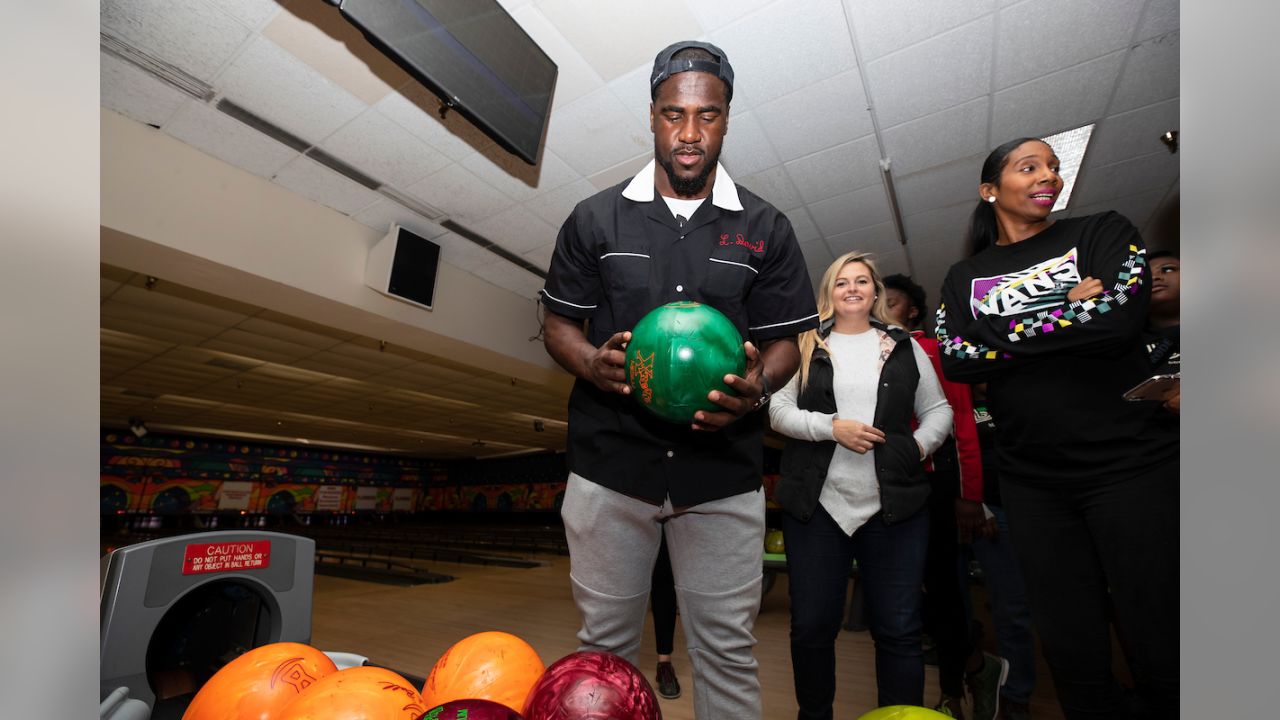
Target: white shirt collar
(724, 194)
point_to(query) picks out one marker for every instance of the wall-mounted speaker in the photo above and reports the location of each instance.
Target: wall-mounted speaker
(403, 265)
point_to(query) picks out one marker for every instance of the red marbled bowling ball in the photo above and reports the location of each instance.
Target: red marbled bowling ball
(592, 686)
(471, 710)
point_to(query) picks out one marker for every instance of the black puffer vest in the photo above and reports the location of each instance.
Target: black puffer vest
(903, 487)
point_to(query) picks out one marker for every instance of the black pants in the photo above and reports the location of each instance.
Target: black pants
(1085, 547)
(662, 597)
(944, 613)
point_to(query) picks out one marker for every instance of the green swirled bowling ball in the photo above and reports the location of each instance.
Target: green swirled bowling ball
(678, 353)
(903, 712)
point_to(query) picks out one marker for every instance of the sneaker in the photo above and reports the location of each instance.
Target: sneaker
(985, 686)
(668, 685)
(1010, 710)
(949, 707)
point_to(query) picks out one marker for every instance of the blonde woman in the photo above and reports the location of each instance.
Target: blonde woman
(853, 486)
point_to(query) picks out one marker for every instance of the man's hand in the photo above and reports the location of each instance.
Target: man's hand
(1088, 287)
(606, 366)
(857, 436)
(972, 522)
(748, 389)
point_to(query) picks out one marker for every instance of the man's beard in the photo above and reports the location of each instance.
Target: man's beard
(688, 187)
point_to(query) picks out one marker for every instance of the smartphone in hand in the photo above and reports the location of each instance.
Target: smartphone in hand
(1156, 387)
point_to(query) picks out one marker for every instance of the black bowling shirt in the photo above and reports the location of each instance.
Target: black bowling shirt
(620, 254)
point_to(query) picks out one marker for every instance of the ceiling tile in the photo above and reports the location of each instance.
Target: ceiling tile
(621, 172)
(851, 211)
(942, 72)
(1138, 207)
(136, 94)
(554, 207)
(648, 29)
(802, 224)
(318, 35)
(383, 150)
(228, 139)
(815, 43)
(945, 225)
(574, 76)
(1160, 18)
(1130, 134)
(954, 182)
(191, 34)
(715, 14)
(774, 186)
(878, 239)
(1056, 102)
(834, 111)
(1098, 184)
(1042, 36)
(463, 254)
(891, 261)
(885, 27)
(746, 148)
(516, 229)
(460, 194)
(632, 90)
(939, 138)
(839, 170)
(252, 13)
(516, 178)
(288, 333)
(416, 110)
(1150, 75)
(817, 257)
(541, 256)
(595, 132)
(514, 279)
(382, 214)
(318, 183)
(276, 85)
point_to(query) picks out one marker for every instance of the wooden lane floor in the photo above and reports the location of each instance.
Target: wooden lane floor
(408, 628)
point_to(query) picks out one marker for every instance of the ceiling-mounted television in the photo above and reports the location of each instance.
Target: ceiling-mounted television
(473, 55)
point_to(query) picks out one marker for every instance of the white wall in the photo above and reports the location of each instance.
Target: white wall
(171, 211)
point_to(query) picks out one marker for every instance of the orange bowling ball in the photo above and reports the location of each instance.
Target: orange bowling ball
(490, 665)
(359, 693)
(256, 685)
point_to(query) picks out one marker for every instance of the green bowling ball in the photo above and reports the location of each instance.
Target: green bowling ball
(773, 543)
(903, 712)
(678, 353)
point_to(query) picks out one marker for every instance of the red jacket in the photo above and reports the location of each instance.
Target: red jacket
(966, 431)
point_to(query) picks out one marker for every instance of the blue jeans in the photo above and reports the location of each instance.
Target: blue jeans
(891, 571)
(1010, 609)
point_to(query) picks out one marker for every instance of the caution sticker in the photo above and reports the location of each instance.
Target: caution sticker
(226, 557)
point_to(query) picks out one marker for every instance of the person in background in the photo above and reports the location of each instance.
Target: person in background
(1164, 348)
(852, 485)
(667, 235)
(662, 602)
(987, 538)
(1049, 313)
(955, 481)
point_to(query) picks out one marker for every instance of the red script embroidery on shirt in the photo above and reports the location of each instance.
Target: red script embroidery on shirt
(738, 239)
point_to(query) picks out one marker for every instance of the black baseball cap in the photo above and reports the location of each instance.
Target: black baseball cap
(664, 67)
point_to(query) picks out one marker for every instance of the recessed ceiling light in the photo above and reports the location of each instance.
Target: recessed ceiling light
(1069, 146)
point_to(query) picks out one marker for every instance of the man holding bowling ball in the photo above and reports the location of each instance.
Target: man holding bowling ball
(680, 230)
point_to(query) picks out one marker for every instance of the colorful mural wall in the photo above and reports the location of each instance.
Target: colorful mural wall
(171, 474)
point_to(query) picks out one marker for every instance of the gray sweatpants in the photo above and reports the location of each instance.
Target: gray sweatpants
(715, 552)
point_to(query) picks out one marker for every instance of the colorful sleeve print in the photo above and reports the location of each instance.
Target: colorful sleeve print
(1035, 301)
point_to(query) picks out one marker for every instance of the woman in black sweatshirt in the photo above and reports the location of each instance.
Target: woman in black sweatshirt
(1049, 314)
